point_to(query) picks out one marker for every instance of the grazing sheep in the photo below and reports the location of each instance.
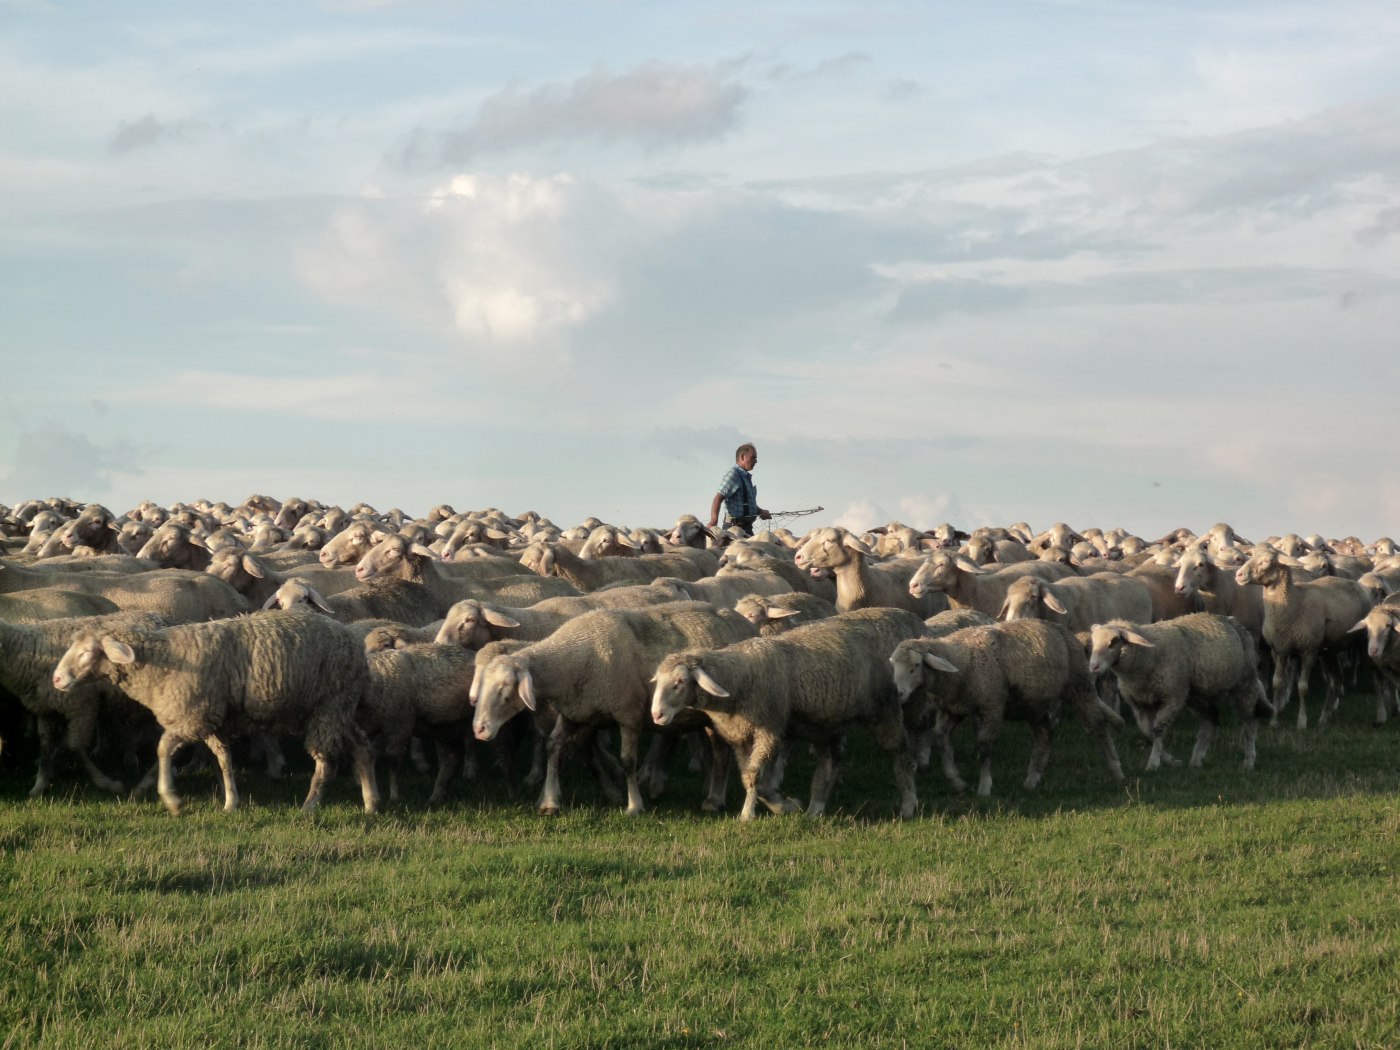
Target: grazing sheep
(1200, 661)
(595, 669)
(778, 613)
(813, 681)
(28, 653)
(1305, 623)
(1082, 601)
(861, 584)
(1020, 670)
(272, 671)
(968, 585)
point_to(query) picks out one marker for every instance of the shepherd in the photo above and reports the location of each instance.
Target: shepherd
(738, 493)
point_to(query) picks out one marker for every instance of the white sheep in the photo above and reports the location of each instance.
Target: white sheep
(595, 668)
(1082, 601)
(1201, 661)
(1022, 670)
(278, 672)
(816, 681)
(968, 585)
(1305, 623)
(860, 582)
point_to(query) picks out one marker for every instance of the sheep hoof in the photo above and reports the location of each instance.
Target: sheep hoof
(173, 805)
(549, 810)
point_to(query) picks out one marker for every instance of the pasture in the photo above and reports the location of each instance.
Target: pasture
(1209, 908)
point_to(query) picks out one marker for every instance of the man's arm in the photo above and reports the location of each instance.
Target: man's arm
(714, 509)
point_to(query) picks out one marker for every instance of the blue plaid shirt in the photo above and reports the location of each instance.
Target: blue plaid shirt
(739, 492)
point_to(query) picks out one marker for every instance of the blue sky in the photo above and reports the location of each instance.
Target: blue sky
(1107, 263)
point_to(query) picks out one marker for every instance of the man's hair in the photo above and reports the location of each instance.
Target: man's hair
(742, 449)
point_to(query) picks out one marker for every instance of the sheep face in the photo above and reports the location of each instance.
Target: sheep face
(1378, 625)
(1108, 644)
(393, 556)
(677, 686)
(89, 656)
(348, 546)
(1262, 568)
(829, 548)
(500, 691)
(907, 663)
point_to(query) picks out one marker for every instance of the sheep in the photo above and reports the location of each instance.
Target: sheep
(968, 585)
(257, 581)
(28, 653)
(1379, 624)
(173, 594)
(777, 613)
(689, 531)
(1082, 600)
(176, 546)
(593, 669)
(351, 544)
(1022, 670)
(45, 603)
(1197, 574)
(379, 636)
(815, 681)
(420, 689)
(1304, 623)
(1200, 661)
(723, 590)
(861, 584)
(273, 671)
(554, 559)
(741, 558)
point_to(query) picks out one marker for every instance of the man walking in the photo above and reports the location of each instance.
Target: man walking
(738, 493)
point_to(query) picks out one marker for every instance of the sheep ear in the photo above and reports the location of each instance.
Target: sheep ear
(705, 682)
(271, 601)
(1005, 607)
(1051, 602)
(854, 543)
(475, 691)
(1361, 626)
(775, 613)
(318, 601)
(117, 652)
(422, 552)
(1136, 639)
(526, 688)
(939, 664)
(968, 565)
(498, 619)
(252, 568)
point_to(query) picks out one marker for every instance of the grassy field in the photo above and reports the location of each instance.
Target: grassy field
(1203, 908)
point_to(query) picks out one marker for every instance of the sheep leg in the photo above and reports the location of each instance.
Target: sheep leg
(1332, 678)
(417, 756)
(606, 768)
(82, 731)
(1305, 666)
(988, 729)
(449, 759)
(630, 750)
(652, 776)
(48, 746)
(892, 738)
(1284, 673)
(717, 776)
(943, 726)
(1040, 755)
(823, 776)
(549, 795)
(170, 744)
(320, 776)
(1204, 737)
(224, 757)
(363, 756)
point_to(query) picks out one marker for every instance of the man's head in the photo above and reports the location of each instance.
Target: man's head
(746, 456)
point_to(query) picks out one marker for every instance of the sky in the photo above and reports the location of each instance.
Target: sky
(1109, 263)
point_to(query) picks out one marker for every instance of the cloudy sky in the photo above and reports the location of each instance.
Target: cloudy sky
(1111, 263)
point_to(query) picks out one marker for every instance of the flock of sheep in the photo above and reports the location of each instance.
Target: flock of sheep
(366, 635)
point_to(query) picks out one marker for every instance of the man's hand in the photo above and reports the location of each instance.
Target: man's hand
(764, 514)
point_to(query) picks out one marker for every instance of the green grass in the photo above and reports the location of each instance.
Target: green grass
(1206, 908)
